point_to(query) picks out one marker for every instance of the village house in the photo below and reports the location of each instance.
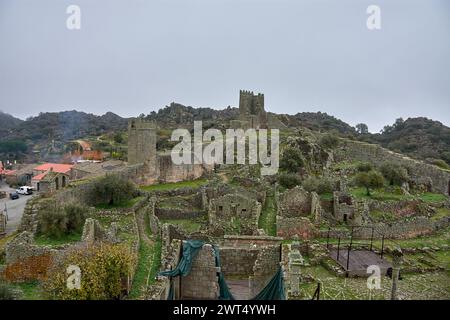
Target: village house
(49, 177)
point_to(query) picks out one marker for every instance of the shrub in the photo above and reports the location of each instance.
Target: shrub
(113, 189)
(369, 180)
(291, 160)
(53, 221)
(394, 173)
(7, 292)
(288, 180)
(320, 185)
(364, 167)
(329, 141)
(76, 215)
(105, 271)
(441, 164)
(311, 184)
(56, 221)
(325, 186)
(28, 269)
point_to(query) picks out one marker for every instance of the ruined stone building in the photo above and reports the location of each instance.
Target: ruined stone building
(151, 166)
(234, 214)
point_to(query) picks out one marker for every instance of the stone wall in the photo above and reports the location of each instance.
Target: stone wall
(301, 227)
(201, 283)
(420, 173)
(22, 247)
(238, 261)
(170, 256)
(406, 229)
(294, 202)
(265, 267)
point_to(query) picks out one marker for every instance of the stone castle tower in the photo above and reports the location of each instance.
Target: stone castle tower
(251, 110)
(142, 144)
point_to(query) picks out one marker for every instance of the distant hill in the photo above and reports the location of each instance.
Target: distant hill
(64, 126)
(317, 121)
(178, 114)
(8, 123)
(421, 138)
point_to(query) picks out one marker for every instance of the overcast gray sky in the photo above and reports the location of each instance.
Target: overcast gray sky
(135, 56)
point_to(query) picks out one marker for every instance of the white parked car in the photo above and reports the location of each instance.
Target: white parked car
(24, 190)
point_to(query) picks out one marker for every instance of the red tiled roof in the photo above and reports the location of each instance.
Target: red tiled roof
(7, 172)
(39, 176)
(57, 167)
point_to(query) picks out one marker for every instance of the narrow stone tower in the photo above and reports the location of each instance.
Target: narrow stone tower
(142, 144)
(251, 109)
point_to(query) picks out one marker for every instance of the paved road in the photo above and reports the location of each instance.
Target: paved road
(14, 208)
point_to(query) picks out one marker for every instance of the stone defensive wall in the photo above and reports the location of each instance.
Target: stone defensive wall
(407, 229)
(421, 173)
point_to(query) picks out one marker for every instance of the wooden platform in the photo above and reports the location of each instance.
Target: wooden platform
(359, 261)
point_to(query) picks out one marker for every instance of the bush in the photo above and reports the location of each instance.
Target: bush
(311, 184)
(291, 160)
(320, 185)
(76, 216)
(56, 221)
(288, 180)
(113, 189)
(7, 292)
(53, 221)
(105, 271)
(441, 164)
(364, 167)
(394, 173)
(329, 141)
(325, 186)
(369, 180)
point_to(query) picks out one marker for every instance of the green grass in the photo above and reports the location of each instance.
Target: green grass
(433, 197)
(381, 216)
(383, 195)
(326, 196)
(124, 204)
(176, 185)
(267, 219)
(30, 290)
(44, 240)
(379, 194)
(441, 213)
(185, 224)
(147, 268)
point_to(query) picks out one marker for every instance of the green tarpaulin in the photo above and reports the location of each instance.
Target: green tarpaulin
(190, 251)
(274, 290)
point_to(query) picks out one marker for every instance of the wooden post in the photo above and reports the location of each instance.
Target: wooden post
(339, 244)
(382, 246)
(328, 237)
(371, 240)
(349, 249)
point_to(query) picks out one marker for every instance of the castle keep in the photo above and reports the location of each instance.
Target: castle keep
(251, 110)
